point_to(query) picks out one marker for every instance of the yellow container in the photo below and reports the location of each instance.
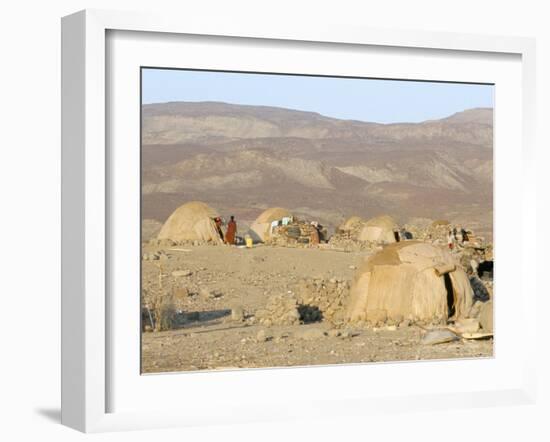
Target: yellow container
(248, 241)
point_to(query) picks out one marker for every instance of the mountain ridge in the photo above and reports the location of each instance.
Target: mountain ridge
(241, 158)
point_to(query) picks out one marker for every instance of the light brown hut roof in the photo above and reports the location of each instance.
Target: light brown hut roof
(384, 221)
(440, 222)
(351, 222)
(191, 221)
(260, 230)
(410, 280)
(380, 229)
(272, 214)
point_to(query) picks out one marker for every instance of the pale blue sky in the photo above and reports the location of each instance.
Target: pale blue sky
(382, 101)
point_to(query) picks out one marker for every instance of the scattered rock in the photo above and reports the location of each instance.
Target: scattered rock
(162, 255)
(263, 336)
(237, 313)
(162, 242)
(478, 335)
(440, 336)
(181, 273)
(470, 325)
(344, 334)
(310, 334)
(377, 316)
(405, 323)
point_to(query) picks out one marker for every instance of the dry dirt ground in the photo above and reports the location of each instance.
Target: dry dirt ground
(222, 278)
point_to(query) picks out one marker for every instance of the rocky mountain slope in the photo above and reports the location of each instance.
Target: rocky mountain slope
(242, 159)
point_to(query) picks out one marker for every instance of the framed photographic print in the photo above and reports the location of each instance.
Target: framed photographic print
(282, 236)
(251, 212)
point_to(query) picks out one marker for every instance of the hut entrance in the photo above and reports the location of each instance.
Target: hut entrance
(451, 308)
(485, 270)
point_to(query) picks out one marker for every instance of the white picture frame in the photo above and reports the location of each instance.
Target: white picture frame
(86, 201)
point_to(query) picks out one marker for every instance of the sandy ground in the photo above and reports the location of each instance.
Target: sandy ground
(221, 278)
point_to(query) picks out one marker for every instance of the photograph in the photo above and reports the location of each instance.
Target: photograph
(293, 220)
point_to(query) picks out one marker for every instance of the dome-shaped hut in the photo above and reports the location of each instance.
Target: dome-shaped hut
(260, 230)
(440, 222)
(190, 222)
(351, 223)
(381, 229)
(409, 280)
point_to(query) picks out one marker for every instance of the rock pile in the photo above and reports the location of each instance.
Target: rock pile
(323, 299)
(346, 242)
(167, 243)
(280, 310)
(160, 255)
(347, 239)
(298, 234)
(437, 232)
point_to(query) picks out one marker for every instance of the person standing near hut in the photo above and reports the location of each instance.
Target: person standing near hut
(314, 235)
(219, 223)
(231, 231)
(450, 240)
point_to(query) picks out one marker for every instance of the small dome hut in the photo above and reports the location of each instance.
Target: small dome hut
(260, 230)
(410, 280)
(192, 221)
(380, 230)
(351, 223)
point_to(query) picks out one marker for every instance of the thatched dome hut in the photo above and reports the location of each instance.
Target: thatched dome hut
(410, 280)
(380, 229)
(192, 221)
(351, 223)
(440, 222)
(260, 230)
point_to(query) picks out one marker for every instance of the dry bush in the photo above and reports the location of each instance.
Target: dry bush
(159, 305)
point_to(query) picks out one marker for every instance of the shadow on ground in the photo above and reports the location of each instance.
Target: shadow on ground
(51, 414)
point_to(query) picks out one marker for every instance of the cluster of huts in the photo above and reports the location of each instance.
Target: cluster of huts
(404, 280)
(196, 221)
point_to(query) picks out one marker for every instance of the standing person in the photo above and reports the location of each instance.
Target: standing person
(314, 236)
(450, 240)
(458, 235)
(219, 223)
(231, 231)
(465, 236)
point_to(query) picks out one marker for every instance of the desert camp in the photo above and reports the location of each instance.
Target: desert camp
(338, 230)
(293, 286)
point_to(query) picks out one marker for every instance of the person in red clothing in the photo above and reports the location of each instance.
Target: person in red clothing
(450, 240)
(231, 231)
(219, 223)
